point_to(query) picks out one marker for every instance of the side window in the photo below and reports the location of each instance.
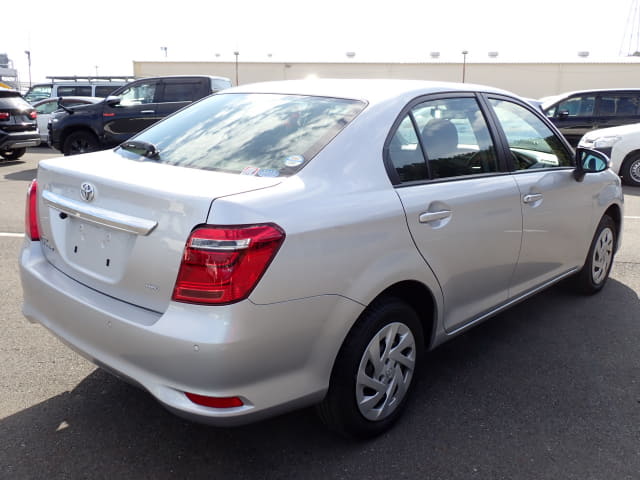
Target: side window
(74, 91)
(71, 103)
(83, 91)
(219, 84)
(138, 94)
(66, 91)
(47, 107)
(104, 90)
(405, 153)
(181, 91)
(578, 106)
(455, 137)
(617, 105)
(533, 144)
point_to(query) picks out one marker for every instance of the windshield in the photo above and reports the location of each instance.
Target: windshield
(252, 134)
(38, 92)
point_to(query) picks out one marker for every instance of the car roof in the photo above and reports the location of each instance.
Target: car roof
(369, 90)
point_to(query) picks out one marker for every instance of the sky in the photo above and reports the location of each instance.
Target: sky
(69, 37)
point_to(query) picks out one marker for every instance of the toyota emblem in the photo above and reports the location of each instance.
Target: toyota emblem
(87, 191)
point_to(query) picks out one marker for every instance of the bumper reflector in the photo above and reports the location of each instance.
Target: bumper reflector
(214, 402)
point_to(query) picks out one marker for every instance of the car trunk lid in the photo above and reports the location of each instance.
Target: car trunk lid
(119, 226)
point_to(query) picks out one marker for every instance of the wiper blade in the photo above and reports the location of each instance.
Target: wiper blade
(145, 149)
(64, 107)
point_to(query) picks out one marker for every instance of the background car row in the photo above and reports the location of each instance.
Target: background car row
(74, 117)
(18, 128)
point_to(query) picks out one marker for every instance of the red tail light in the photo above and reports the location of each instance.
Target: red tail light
(224, 264)
(33, 115)
(31, 213)
(5, 115)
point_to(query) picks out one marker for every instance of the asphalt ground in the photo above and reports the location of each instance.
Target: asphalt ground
(547, 390)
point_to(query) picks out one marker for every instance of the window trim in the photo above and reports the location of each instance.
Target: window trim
(407, 111)
(506, 152)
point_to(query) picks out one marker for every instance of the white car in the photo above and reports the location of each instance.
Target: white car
(622, 145)
(279, 245)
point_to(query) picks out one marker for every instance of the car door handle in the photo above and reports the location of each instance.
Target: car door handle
(147, 111)
(532, 198)
(428, 217)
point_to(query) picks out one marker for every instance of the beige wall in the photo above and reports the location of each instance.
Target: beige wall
(532, 80)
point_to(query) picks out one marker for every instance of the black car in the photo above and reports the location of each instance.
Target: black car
(576, 113)
(18, 127)
(127, 111)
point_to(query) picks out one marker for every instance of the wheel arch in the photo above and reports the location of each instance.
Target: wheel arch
(615, 213)
(628, 158)
(76, 128)
(420, 298)
(630, 155)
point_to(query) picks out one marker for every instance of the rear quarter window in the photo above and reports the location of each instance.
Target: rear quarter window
(219, 84)
(104, 90)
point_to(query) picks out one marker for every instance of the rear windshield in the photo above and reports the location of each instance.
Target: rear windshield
(251, 134)
(13, 101)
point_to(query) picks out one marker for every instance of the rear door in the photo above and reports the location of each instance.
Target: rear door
(462, 208)
(139, 108)
(617, 108)
(177, 93)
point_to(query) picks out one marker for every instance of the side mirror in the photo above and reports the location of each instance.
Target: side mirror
(112, 100)
(589, 161)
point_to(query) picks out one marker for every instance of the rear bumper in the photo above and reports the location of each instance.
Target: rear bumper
(274, 357)
(19, 140)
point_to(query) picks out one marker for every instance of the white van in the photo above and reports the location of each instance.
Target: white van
(75, 87)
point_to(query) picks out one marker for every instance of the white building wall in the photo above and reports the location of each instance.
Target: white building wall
(533, 80)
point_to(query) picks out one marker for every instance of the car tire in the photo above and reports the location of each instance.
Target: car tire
(80, 142)
(595, 272)
(14, 154)
(630, 170)
(372, 376)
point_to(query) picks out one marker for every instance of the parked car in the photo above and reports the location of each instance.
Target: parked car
(74, 86)
(576, 113)
(286, 244)
(18, 127)
(622, 145)
(129, 110)
(46, 107)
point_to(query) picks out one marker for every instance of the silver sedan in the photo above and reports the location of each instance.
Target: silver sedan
(286, 244)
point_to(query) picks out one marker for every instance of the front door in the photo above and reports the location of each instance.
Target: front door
(138, 109)
(555, 224)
